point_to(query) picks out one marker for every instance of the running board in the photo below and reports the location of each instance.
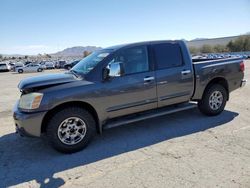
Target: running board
(149, 114)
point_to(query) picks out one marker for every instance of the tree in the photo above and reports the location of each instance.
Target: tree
(207, 49)
(26, 57)
(193, 50)
(47, 55)
(86, 53)
(220, 48)
(230, 46)
(242, 43)
(246, 45)
(1, 56)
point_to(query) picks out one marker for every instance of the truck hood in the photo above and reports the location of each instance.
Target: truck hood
(45, 81)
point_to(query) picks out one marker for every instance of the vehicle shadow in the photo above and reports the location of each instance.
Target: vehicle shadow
(27, 159)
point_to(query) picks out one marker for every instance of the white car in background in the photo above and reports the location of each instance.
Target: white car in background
(5, 67)
(29, 68)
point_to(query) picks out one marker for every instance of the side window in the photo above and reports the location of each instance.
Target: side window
(134, 59)
(167, 55)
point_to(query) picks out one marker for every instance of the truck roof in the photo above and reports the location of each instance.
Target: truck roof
(116, 47)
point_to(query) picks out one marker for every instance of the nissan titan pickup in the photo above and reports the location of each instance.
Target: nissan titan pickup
(120, 85)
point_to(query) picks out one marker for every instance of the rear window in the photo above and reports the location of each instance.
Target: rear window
(167, 55)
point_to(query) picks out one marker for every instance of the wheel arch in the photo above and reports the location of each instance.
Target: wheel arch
(218, 80)
(80, 104)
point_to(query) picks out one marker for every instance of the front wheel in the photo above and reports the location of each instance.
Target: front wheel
(39, 70)
(71, 129)
(213, 101)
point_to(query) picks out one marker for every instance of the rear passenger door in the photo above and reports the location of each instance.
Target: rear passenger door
(174, 78)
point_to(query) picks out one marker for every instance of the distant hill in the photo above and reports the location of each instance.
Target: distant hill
(76, 51)
(197, 43)
(199, 39)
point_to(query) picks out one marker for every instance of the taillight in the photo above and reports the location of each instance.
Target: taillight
(242, 67)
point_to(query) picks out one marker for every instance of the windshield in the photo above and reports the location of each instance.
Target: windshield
(89, 62)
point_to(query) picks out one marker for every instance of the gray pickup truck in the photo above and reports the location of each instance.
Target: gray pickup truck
(120, 85)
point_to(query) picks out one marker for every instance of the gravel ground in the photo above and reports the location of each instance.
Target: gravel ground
(185, 149)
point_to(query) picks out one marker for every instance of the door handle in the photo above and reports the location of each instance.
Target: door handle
(162, 82)
(148, 79)
(184, 72)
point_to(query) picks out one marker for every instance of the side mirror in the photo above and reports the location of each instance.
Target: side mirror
(113, 70)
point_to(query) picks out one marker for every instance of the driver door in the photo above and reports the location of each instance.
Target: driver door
(135, 90)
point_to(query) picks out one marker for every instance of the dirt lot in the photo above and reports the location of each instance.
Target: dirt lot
(185, 149)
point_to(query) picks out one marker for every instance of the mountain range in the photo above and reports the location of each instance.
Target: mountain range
(76, 51)
(198, 42)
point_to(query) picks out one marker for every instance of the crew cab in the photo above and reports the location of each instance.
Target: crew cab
(119, 85)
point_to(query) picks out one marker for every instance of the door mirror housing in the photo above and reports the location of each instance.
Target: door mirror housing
(113, 70)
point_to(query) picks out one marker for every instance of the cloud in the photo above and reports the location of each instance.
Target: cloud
(29, 49)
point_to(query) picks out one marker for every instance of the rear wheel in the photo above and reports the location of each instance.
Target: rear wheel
(39, 70)
(71, 129)
(20, 70)
(213, 101)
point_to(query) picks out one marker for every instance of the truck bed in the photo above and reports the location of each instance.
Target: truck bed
(206, 70)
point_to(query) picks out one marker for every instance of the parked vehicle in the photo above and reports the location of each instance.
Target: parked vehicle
(4, 67)
(11, 66)
(27, 62)
(60, 64)
(18, 65)
(68, 66)
(120, 85)
(29, 68)
(50, 65)
(42, 65)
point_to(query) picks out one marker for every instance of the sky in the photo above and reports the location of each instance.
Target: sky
(47, 26)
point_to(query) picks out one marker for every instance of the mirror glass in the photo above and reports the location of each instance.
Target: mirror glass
(114, 69)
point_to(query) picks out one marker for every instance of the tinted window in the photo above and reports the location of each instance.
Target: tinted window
(167, 55)
(134, 59)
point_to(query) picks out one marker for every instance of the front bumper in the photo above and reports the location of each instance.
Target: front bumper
(243, 83)
(28, 124)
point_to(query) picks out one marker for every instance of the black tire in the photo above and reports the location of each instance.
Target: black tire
(204, 105)
(39, 70)
(20, 70)
(59, 117)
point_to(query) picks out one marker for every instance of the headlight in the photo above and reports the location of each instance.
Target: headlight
(30, 101)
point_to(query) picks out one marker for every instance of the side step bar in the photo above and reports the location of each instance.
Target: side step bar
(149, 114)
